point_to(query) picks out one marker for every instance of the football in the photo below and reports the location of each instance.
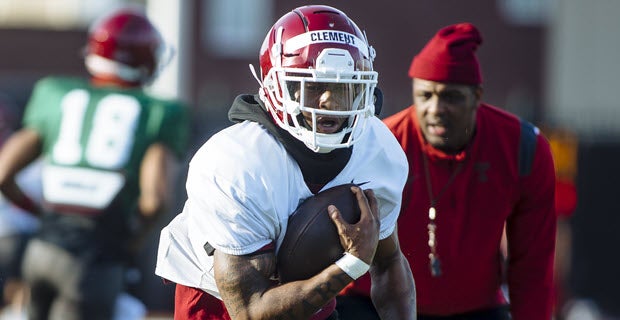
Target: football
(311, 242)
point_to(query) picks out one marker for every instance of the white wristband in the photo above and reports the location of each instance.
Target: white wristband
(352, 265)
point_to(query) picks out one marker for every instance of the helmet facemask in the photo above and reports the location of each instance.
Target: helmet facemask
(325, 107)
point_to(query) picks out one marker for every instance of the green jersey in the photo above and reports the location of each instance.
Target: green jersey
(94, 139)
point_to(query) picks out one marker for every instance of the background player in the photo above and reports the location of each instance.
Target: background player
(109, 153)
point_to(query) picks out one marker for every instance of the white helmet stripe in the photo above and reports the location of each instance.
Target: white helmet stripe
(326, 36)
(99, 65)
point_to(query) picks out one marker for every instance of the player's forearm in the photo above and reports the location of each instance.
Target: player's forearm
(16, 153)
(247, 295)
(157, 172)
(393, 290)
(13, 193)
(302, 299)
(156, 188)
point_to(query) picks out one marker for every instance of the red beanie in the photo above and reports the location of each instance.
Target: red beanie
(450, 56)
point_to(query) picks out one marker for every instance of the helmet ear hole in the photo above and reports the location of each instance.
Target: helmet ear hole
(378, 97)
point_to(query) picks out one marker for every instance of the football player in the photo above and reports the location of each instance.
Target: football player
(311, 126)
(109, 152)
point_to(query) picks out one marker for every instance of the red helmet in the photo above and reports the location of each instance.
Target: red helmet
(124, 45)
(314, 47)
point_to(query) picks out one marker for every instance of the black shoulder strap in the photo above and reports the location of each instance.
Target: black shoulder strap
(527, 147)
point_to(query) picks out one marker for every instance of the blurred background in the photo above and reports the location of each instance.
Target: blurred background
(552, 62)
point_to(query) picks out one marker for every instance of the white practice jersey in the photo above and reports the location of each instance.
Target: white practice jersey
(242, 186)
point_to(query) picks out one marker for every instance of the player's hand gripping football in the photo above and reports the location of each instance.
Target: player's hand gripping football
(359, 239)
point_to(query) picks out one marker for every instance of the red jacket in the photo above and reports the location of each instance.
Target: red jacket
(486, 193)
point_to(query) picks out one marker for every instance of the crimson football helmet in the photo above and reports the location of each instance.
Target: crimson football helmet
(125, 45)
(307, 52)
